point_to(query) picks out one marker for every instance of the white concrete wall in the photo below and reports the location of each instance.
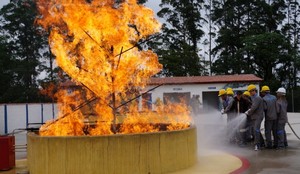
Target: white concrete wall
(16, 115)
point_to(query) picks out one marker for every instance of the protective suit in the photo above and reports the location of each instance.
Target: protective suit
(270, 119)
(281, 107)
(256, 113)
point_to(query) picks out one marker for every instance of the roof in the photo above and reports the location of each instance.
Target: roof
(205, 79)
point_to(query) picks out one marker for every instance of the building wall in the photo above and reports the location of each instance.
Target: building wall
(195, 89)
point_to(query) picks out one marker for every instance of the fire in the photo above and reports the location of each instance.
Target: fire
(95, 44)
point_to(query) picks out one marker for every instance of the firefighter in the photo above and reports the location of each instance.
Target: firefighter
(281, 107)
(229, 92)
(240, 105)
(249, 127)
(223, 98)
(230, 116)
(270, 117)
(256, 113)
(246, 94)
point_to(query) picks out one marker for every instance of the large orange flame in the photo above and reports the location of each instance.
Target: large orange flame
(94, 43)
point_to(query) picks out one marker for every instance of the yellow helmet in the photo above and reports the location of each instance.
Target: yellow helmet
(265, 88)
(222, 92)
(229, 92)
(246, 93)
(229, 89)
(251, 87)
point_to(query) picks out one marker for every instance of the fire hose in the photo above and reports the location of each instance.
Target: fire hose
(293, 130)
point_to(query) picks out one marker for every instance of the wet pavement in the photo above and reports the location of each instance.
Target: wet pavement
(212, 135)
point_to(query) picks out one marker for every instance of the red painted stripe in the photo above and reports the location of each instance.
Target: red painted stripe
(244, 167)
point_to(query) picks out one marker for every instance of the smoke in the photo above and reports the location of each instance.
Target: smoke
(236, 126)
(212, 132)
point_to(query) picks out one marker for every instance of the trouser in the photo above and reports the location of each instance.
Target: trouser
(270, 129)
(249, 130)
(281, 134)
(258, 138)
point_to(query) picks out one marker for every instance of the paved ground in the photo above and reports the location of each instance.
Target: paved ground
(217, 156)
(211, 136)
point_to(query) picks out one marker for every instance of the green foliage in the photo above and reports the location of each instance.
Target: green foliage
(269, 53)
(177, 46)
(6, 71)
(249, 39)
(25, 44)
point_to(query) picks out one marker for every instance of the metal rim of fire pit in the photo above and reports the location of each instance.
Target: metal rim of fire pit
(159, 152)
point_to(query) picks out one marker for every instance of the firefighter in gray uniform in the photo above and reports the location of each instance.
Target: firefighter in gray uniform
(270, 117)
(256, 113)
(281, 107)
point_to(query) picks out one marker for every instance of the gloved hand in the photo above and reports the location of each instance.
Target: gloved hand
(222, 111)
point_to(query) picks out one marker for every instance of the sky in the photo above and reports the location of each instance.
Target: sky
(151, 4)
(3, 2)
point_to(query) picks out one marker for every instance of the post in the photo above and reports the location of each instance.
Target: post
(5, 120)
(210, 61)
(26, 115)
(293, 107)
(42, 113)
(52, 110)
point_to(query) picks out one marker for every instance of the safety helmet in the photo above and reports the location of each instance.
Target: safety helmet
(222, 92)
(246, 93)
(265, 88)
(251, 87)
(281, 90)
(229, 89)
(229, 92)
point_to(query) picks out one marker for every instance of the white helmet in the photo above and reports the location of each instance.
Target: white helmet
(281, 90)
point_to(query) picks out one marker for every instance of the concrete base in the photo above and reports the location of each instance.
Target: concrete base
(154, 153)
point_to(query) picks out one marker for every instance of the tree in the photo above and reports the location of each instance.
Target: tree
(177, 45)
(6, 73)
(268, 54)
(26, 45)
(249, 39)
(291, 30)
(229, 17)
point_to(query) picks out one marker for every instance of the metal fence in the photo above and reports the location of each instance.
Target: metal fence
(16, 116)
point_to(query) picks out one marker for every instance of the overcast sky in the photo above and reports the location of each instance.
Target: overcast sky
(151, 4)
(3, 2)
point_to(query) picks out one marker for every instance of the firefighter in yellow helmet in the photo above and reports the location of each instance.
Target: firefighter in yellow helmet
(223, 97)
(227, 109)
(222, 92)
(230, 92)
(256, 114)
(229, 100)
(264, 90)
(270, 117)
(246, 93)
(249, 128)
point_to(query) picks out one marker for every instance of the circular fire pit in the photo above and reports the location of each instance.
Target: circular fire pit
(148, 153)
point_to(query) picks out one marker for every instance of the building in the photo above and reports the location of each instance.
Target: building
(207, 87)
